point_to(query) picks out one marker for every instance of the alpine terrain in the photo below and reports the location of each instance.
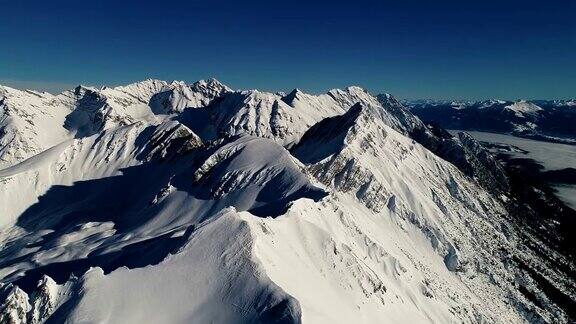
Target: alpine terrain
(161, 202)
(545, 120)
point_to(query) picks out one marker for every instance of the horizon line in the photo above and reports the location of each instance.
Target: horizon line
(57, 87)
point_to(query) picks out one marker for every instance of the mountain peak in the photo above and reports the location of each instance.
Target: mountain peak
(289, 98)
(82, 89)
(211, 85)
(355, 88)
(388, 99)
(328, 136)
(178, 83)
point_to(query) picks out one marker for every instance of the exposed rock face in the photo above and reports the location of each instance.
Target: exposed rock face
(20, 307)
(15, 306)
(464, 152)
(93, 113)
(168, 140)
(484, 167)
(44, 300)
(324, 148)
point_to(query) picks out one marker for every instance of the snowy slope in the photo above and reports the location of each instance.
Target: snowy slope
(199, 273)
(30, 122)
(418, 194)
(522, 108)
(177, 203)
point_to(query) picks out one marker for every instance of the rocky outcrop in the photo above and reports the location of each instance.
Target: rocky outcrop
(167, 141)
(18, 307)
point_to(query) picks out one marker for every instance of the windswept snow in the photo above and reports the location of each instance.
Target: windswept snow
(212, 279)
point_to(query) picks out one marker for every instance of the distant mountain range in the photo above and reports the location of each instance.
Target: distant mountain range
(549, 120)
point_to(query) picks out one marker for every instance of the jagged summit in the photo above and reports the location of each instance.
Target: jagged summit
(329, 135)
(290, 97)
(211, 83)
(80, 89)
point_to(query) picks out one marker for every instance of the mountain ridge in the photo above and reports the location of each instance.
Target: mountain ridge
(263, 207)
(548, 120)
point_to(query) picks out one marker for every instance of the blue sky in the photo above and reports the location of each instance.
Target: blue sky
(412, 49)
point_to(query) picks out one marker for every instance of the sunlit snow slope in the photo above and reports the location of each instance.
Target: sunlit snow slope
(174, 203)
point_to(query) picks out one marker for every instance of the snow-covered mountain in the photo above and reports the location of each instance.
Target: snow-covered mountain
(177, 203)
(549, 120)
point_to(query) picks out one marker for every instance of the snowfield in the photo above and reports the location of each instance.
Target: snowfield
(174, 203)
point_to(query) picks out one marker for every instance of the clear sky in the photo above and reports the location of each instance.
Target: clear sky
(413, 49)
